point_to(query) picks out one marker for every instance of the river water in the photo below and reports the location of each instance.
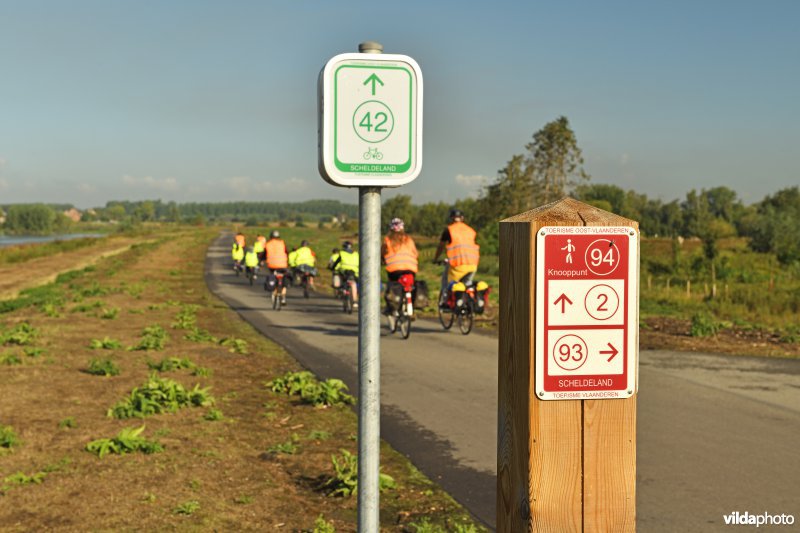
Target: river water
(11, 240)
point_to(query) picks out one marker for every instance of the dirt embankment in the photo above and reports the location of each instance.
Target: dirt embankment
(35, 272)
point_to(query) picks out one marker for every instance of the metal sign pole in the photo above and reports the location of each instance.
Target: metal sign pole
(369, 359)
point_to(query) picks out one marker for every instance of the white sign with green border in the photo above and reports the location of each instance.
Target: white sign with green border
(370, 120)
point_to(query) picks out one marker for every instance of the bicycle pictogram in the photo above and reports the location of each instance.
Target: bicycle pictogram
(373, 153)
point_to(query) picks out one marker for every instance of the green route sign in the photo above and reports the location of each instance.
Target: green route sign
(370, 120)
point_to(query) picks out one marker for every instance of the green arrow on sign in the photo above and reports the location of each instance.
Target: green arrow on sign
(373, 78)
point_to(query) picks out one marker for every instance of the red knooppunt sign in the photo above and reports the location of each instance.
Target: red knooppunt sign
(586, 312)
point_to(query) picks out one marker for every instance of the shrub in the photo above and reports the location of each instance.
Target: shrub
(703, 325)
(127, 441)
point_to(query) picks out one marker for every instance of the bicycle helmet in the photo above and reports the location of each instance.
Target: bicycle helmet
(275, 234)
(456, 213)
(397, 224)
(347, 246)
(304, 243)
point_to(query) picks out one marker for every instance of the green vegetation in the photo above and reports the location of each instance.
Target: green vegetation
(289, 447)
(159, 395)
(153, 338)
(106, 343)
(312, 391)
(186, 318)
(127, 440)
(171, 363)
(187, 508)
(213, 415)
(35, 219)
(21, 479)
(235, 345)
(22, 334)
(68, 423)
(344, 481)
(323, 526)
(103, 367)
(8, 439)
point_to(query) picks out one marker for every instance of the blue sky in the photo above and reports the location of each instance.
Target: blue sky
(203, 101)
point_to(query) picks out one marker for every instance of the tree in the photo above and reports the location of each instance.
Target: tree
(555, 160)
(30, 219)
(398, 207)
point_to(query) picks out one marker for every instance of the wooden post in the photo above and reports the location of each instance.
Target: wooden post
(562, 465)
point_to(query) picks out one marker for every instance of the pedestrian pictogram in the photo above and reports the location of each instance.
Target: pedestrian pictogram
(586, 314)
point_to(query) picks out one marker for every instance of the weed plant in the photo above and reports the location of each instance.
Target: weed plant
(20, 479)
(8, 439)
(10, 359)
(128, 440)
(85, 308)
(704, 325)
(68, 423)
(213, 415)
(235, 345)
(102, 367)
(200, 335)
(187, 508)
(304, 384)
(186, 318)
(169, 364)
(159, 395)
(109, 314)
(22, 334)
(106, 343)
(289, 447)
(323, 526)
(153, 338)
(345, 479)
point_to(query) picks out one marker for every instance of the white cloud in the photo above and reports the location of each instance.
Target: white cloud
(149, 182)
(472, 184)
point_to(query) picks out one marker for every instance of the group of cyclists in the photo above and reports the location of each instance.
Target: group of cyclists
(398, 255)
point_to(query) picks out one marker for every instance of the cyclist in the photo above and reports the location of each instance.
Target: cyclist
(334, 257)
(463, 254)
(251, 261)
(277, 258)
(258, 248)
(305, 260)
(398, 253)
(237, 250)
(347, 265)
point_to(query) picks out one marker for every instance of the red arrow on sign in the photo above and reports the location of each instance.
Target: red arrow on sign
(563, 300)
(613, 351)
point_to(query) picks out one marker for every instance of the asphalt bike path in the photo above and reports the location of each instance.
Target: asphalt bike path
(716, 434)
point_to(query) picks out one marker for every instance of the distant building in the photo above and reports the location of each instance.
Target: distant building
(73, 214)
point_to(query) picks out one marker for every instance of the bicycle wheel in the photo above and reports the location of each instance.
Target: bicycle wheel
(392, 322)
(445, 317)
(305, 289)
(276, 300)
(252, 278)
(404, 324)
(348, 303)
(465, 322)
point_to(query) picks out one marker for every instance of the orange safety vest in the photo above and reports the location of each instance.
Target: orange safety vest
(462, 249)
(404, 257)
(276, 254)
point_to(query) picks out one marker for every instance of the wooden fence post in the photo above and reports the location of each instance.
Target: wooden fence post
(562, 465)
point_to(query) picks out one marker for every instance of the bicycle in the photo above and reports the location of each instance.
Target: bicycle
(251, 274)
(306, 279)
(277, 300)
(457, 303)
(237, 267)
(345, 292)
(401, 317)
(373, 153)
